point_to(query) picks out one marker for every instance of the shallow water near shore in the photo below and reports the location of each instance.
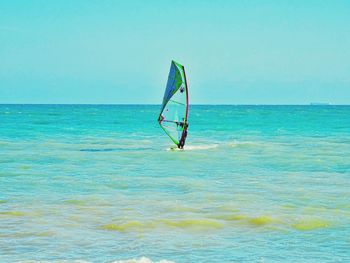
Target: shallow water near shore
(99, 183)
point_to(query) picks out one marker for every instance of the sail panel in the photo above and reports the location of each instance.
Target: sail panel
(174, 111)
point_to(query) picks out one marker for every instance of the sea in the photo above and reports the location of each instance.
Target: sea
(100, 183)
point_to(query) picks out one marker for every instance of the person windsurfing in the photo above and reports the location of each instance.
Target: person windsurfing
(173, 116)
(183, 137)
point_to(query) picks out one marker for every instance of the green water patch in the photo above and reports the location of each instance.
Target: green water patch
(194, 223)
(11, 214)
(129, 226)
(24, 167)
(14, 174)
(216, 222)
(75, 202)
(261, 220)
(254, 221)
(343, 206)
(289, 206)
(3, 174)
(311, 224)
(118, 185)
(186, 224)
(45, 234)
(28, 234)
(269, 222)
(3, 202)
(230, 217)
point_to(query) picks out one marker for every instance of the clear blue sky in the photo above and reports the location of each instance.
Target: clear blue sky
(235, 52)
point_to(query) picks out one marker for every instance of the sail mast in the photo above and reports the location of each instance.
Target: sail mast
(187, 99)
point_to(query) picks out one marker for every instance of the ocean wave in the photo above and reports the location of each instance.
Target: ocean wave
(140, 260)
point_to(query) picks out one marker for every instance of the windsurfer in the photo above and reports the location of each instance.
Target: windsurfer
(183, 137)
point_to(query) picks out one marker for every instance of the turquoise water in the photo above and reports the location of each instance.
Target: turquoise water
(99, 184)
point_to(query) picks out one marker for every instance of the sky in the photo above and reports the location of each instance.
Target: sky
(234, 52)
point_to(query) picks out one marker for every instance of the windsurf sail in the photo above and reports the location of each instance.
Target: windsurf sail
(173, 117)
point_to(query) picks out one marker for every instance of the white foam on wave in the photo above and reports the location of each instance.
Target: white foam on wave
(141, 260)
(195, 147)
(200, 147)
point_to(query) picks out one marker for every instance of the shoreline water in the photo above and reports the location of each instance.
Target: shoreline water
(255, 184)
